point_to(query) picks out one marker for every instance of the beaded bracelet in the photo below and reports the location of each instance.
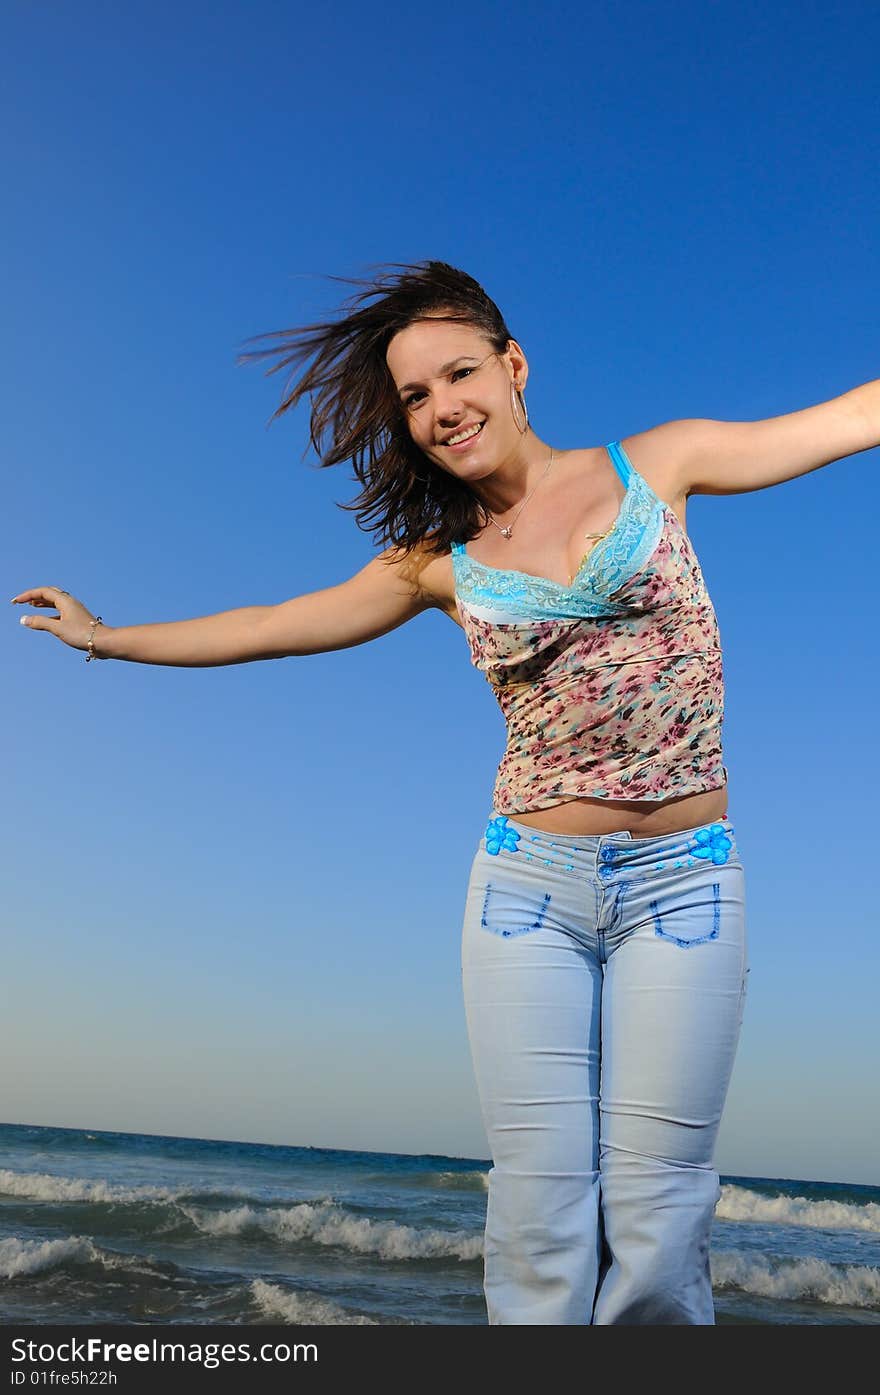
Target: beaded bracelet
(91, 654)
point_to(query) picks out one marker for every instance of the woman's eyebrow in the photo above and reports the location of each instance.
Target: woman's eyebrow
(445, 369)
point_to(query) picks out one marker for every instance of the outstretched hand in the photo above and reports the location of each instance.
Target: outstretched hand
(72, 624)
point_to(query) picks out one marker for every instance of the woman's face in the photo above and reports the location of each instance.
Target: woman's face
(448, 379)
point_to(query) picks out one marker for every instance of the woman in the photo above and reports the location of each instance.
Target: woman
(604, 957)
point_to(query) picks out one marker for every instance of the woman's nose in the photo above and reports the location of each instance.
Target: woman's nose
(448, 407)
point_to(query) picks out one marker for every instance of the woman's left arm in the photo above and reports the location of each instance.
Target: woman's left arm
(734, 457)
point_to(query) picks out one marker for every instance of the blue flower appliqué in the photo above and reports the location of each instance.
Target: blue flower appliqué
(499, 836)
(711, 842)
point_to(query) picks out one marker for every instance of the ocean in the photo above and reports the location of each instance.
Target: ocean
(100, 1227)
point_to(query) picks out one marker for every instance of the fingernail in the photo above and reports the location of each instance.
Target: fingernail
(24, 619)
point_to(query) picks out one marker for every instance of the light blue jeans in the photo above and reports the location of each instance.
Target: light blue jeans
(604, 983)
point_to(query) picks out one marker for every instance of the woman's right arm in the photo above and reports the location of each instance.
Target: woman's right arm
(381, 596)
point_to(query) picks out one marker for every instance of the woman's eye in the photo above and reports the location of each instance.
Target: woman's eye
(412, 399)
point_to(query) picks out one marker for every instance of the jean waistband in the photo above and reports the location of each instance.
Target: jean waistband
(711, 843)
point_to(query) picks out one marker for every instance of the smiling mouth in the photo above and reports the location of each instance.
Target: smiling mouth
(471, 437)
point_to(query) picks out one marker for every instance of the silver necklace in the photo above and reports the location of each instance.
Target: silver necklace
(506, 532)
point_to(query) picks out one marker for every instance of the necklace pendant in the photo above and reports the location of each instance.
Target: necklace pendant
(506, 532)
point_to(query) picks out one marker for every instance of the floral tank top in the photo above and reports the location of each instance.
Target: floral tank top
(611, 688)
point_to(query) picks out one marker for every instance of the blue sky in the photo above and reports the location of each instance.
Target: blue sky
(233, 896)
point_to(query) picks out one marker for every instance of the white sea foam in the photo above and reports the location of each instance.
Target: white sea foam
(846, 1285)
(45, 1186)
(323, 1222)
(303, 1308)
(20, 1257)
(327, 1223)
(741, 1204)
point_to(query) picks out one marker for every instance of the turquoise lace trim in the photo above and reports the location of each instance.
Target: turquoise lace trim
(613, 561)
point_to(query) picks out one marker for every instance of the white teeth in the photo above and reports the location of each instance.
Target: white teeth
(464, 435)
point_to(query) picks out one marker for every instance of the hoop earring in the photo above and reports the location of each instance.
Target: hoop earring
(514, 393)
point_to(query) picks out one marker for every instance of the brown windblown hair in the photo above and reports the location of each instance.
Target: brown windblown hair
(405, 496)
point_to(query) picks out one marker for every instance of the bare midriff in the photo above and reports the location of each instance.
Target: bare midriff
(591, 816)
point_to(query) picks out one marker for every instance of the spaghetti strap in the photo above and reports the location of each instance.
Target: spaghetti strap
(621, 461)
